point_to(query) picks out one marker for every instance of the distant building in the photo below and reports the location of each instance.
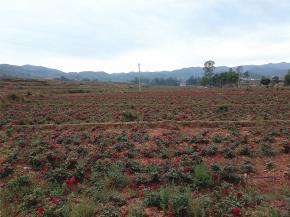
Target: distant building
(250, 81)
(182, 83)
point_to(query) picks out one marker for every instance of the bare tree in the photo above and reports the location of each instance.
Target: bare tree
(209, 68)
(239, 71)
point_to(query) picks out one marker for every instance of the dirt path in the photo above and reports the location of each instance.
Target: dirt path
(193, 123)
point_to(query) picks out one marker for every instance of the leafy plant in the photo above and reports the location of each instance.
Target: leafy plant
(128, 116)
(203, 177)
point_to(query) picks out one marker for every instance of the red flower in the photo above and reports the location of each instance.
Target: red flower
(71, 180)
(54, 200)
(67, 181)
(239, 195)
(185, 169)
(39, 210)
(96, 156)
(152, 186)
(226, 190)
(194, 194)
(236, 211)
(140, 188)
(252, 146)
(44, 169)
(215, 175)
(52, 146)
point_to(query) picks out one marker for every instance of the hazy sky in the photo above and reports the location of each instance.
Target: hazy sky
(114, 35)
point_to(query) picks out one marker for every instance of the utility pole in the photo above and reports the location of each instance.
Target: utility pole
(139, 67)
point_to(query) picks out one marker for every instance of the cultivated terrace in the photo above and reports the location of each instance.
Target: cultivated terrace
(84, 149)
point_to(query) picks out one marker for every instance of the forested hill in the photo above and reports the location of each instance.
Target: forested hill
(30, 71)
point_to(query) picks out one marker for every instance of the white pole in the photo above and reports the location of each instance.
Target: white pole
(139, 67)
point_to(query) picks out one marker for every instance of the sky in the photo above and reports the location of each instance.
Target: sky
(116, 35)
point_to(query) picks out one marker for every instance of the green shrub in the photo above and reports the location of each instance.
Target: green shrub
(19, 182)
(267, 150)
(286, 147)
(246, 151)
(29, 202)
(229, 174)
(9, 132)
(152, 198)
(165, 195)
(269, 212)
(177, 176)
(247, 167)
(222, 108)
(228, 153)
(98, 194)
(209, 150)
(117, 200)
(215, 167)
(116, 176)
(270, 165)
(6, 170)
(180, 203)
(203, 177)
(109, 212)
(133, 166)
(128, 116)
(14, 97)
(136, 213)
(83, 209)
(217, 138)
(177, 198)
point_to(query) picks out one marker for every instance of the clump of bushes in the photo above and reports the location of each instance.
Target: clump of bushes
(83, 209)
(222, 108)
(246, 151)
(267, 150)
(129, 116)
(247, 167)
(270, 165)
(286, 147)
(174, 201)
(203, 178)
(229, 174)
(109, 211)
(228, 153)
(5, 170)
(14, 97)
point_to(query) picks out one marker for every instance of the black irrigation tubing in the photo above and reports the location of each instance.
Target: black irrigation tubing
(166, 123)
(263, 177)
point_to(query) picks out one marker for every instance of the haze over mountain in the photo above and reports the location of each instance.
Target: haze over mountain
(40, 72)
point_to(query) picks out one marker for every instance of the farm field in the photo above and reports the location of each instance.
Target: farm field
(104, 149)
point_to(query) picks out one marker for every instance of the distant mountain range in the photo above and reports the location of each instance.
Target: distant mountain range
(39, 72)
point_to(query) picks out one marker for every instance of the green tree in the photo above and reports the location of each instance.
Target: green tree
(287, 79)
(246, 74)
(193, 81)
(221, 79)
(209, 68)
(265, 81)
(165, 81)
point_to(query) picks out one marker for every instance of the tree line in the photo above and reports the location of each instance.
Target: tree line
(231, 78)
(157, 81)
